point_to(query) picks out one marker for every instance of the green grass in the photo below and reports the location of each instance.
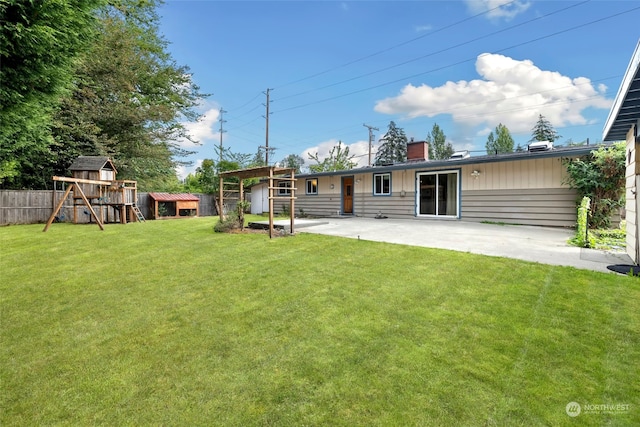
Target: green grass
(168, 323)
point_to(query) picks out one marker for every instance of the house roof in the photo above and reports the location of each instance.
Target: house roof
(576, 151)
(167, 197)
(625, 111)
(92, 163)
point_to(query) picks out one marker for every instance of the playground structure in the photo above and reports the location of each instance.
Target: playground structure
(96, 190)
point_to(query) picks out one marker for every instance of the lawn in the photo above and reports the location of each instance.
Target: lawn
(168, 323)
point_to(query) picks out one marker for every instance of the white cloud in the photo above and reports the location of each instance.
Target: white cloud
(499, 9)
(203, 129)
(423, 28)
(511, 92)
(360, 149)
(183, 171)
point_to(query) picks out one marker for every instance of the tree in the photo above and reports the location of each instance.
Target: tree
(394, 146)
(129, 99)
(501, 143)
(39, 43)
(292, 161)
(338, 159)
(601, 177)
(544, 131)
(439, 149)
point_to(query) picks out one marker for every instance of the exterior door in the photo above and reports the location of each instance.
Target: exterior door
(347, 195)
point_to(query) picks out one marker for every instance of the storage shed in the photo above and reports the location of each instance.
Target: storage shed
(167, 206)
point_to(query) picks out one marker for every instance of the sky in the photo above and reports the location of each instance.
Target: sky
(332, 67)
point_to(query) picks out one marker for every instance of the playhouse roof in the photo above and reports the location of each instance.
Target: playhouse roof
(92, 163)
(167, 197)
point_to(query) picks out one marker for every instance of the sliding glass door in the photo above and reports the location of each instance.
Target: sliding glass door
(437, 193)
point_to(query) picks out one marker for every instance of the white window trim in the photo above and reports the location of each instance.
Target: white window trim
(458, 195)
(309, 181)
(381, 175)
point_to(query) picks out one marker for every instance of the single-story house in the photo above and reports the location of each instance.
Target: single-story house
(623, 124)
(517, 188)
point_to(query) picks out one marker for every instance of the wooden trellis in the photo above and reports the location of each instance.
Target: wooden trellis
(273, 173)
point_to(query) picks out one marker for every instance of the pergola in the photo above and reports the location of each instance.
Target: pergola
(261, 172)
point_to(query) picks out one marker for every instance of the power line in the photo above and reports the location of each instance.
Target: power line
(446, 27)
(433, 53)
(456, 63)
(491, 101)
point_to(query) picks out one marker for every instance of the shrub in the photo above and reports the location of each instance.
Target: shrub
(601, 177)
(230, 222)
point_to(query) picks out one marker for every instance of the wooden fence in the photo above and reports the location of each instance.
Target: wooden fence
(35, 206)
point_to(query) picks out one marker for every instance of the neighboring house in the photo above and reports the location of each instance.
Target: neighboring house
(517, 188)
(623, 124)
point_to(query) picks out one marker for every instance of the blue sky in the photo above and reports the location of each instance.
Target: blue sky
(332, 66)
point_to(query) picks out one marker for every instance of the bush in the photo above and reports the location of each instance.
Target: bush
(601, 177)
(230, 222)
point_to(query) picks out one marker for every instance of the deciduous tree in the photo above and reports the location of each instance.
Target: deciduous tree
(338, 159)
(501, 143)
(292, 161)
(439, 148)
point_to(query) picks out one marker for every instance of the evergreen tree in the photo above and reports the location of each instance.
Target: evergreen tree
(544, 131)
(39, 42)
(501, 143)
(439, 149)
(394, 147)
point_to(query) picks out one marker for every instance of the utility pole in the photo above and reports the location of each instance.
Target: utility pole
(266, 139)
(371, 129)
(221, 131)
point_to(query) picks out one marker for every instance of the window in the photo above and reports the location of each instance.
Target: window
(284, 188)
(107, 175)
(382, 184)
(312, 186)
(438, 193)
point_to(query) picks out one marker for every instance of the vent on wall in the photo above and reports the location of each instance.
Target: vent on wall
(541, 146)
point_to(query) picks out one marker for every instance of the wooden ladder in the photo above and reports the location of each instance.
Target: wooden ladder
(139, 215)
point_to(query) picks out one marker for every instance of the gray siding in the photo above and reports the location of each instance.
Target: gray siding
(544, 206)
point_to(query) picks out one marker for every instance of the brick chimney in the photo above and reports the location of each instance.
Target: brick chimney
(417, 151)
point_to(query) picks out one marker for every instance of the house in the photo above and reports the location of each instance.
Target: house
(622, 125)
(516, 188)
(165, 205)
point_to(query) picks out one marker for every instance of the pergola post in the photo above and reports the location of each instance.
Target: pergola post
(270, 203)
(221, 198)
(292, 202)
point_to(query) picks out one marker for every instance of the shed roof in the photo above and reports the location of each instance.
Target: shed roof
(92, 163)
(167, 197)
(625, 111)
